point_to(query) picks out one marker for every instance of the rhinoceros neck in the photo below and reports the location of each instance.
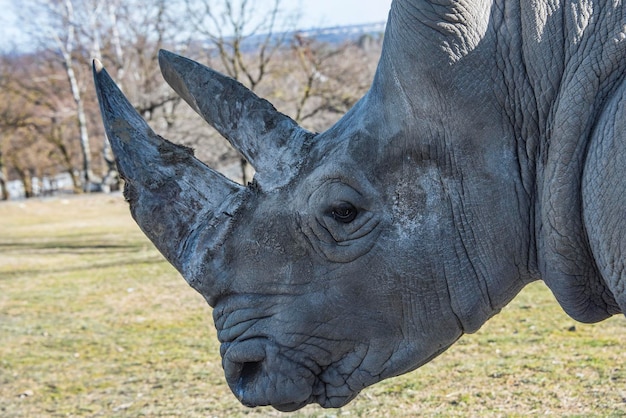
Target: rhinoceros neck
(538, 72)
(561, 75)
(568, 74)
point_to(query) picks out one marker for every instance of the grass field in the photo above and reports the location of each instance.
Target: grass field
(93, 322)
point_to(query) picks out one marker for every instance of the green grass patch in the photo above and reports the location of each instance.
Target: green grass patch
(93, 322)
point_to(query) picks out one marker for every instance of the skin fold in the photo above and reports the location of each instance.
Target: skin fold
(487, 154)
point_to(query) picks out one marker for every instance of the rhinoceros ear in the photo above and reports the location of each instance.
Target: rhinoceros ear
(270, 140)
(178, 202)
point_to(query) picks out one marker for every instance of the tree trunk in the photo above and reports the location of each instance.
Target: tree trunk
(81, 119)
(4, 192)
(111, 180)
(27, 180)
(82, 127)
(67, 163)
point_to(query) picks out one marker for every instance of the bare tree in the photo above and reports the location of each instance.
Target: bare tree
(66, 40)
(248, 40)
(37, 118)
(330, 78)
(127, 36)
(12, 117)
(244, 35)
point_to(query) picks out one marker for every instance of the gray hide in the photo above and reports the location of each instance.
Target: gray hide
(488, 153)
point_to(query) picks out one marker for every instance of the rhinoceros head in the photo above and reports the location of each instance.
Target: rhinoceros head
(352, 256)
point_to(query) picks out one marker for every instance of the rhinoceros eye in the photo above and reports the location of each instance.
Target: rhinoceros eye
(344, 212)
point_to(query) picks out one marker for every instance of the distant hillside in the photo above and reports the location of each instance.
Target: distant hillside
(340, 34)
(331, 35)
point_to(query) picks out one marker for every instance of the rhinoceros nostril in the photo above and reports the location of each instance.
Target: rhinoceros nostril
(243, 366)
(246, 382)
(249, 370)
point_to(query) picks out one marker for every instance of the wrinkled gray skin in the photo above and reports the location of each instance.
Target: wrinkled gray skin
(489, 152)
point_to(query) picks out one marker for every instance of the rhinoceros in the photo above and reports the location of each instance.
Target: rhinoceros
(489, 152)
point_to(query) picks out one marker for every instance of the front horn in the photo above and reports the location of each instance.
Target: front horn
(183, 206)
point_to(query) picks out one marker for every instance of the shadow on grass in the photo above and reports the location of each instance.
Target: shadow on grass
(76, 252)
(66, 247)
(151, 259)
(74, 243)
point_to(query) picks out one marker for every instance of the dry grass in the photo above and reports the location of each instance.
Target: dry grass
(93, 322)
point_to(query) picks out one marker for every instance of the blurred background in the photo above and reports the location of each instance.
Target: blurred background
(313, 60)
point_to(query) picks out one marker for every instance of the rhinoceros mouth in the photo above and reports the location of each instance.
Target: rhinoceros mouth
(291, 370)
(260, 373)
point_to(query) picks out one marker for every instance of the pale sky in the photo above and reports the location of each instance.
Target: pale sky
(9, 27)
(313, 14)
(323, 13)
